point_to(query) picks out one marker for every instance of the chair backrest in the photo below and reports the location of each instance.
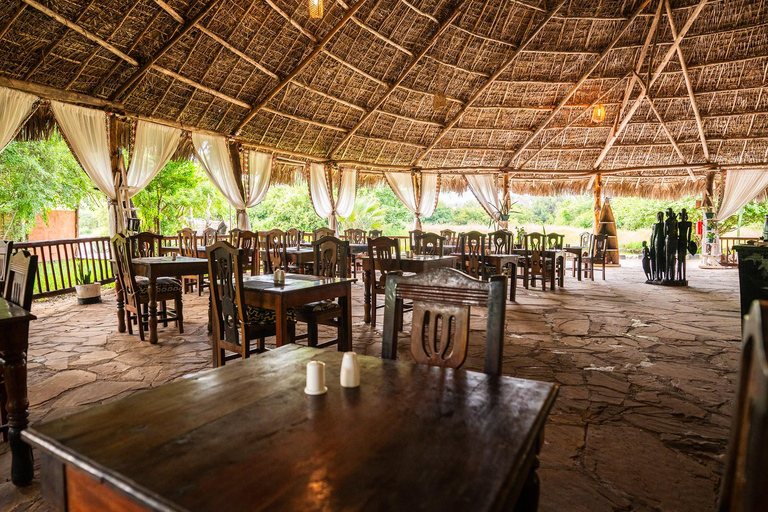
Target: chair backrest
(442, 299)
(234, 237)
(473, 253)
(500, 242)
(429, 244)
(385, 257)
(121, 250)
(412, 238)
(248, 242)
(276, 250)
(745, 478)
(585, 241)
(209, 236)
(375, 233)
(293, 237)
(6, 249)
(534, 242)
(330, 257)
(599, 247)
(555, 241)
(188, 243)
(20, 279)
(321, 232)
(225, 269)
(449, 236)
(145, 244)
(355, 236)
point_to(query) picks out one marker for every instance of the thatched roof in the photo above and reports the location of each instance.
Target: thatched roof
(448, 85)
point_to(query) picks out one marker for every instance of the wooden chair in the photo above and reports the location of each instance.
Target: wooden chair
(429, 244)
(384, 254)
(441, 298)
(235, 323)
(188, 248)
(21, 269)
(450, 236)
(554, 241)
(375, 233)
(597, 255)
(412, 238)
(500, 242)
(330, 257)
(276, 251)
(745, 478)
(355, 236)
(6, 249)
(293, 238)
(535, 260)
(234, 237)
(135, 291)
(248, 241)
(210, 236)
(145, 244)
(585, 242)
(322, 232)
(472, 245)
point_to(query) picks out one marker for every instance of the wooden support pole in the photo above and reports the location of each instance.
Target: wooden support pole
(598, 194)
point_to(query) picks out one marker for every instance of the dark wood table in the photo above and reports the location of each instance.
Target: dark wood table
(578, 252)
(415, 264)
(14, 342)
(155, 267)
(175, 248)
(261, 291)
(245, 437)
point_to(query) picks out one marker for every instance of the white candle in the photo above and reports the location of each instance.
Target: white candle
(315, 378)
(350, 370)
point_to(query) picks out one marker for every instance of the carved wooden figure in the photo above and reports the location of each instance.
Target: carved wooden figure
(684, 229)
(658, 259)
(670, 247)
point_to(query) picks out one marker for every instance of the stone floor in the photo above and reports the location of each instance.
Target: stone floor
(646, 374)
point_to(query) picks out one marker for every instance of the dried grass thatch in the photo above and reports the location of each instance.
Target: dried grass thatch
(450, 85)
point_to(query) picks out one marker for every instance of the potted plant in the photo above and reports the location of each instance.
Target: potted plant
(87, 291)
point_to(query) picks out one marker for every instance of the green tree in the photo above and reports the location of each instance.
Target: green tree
(285, 207)
(37, 177)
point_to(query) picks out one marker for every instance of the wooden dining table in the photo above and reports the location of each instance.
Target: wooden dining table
(14, 343)
(415, 264)
(499, 261)
(152, 268)
(550, 258)
(261, 291)
(246, 437)
(578, 252)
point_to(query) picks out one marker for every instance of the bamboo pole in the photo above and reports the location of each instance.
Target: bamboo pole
(597, 194)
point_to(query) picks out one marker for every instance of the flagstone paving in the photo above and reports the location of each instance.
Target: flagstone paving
(647, 377)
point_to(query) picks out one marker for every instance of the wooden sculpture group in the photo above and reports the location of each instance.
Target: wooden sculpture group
(664, 261)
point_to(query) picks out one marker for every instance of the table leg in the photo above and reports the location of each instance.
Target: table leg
(367, 296)
(17, 405)
(281, 324)
(513, 283)
(210, 311)
(552, 272)
(120, 296)
(345, 341)
(152, 292)
(580, 256)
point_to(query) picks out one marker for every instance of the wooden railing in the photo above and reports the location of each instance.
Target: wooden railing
(58, 263)
(728, 255)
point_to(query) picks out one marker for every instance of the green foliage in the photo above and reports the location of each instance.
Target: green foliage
(35, 178)
(753, 214)
(83, 274)
(367, 214)
(285, 207)
(634, 213)
(179, 191)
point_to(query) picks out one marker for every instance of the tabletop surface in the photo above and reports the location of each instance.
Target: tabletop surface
(246, 437)
(417, 257)
(157, 260)
(293, 283)
(10, 313)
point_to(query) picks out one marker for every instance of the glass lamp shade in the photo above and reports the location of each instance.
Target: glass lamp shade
(316, 8)
(598, 113)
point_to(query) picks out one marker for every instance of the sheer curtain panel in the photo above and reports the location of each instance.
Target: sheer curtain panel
(321, 193)
(417, 191)
(153, 148)
(259, 177)
(740, 188)
(485, 189)
(15, 108)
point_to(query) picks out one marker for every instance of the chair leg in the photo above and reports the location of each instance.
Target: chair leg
(199, 285)
(373, 309)
(179, 313)
(312, 333)
(140, 321)
(291, 332)
(3, 410)
(399, 314)
(129, 323)
(164, 313)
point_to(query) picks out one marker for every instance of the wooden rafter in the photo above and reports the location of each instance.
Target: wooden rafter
(375, 32)
(455, 119)
(150, 63)
(7, 25)
(579, 82)
(657, 73)
(300, 66)
(432, 40)
(53, 93)
(688, 85)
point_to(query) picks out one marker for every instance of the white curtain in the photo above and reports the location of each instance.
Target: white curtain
(740, 188)
(15, 107)
(321, 193)
(86, 131)
(421, 202)
(153, 148)
(213, 153)
(485, 189)
(259, 177)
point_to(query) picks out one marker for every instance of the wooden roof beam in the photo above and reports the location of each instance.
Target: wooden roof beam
(306, 33)
(80, 30)
(4, 29)
(300, 66)
(375, 32)
(403, 75)
(564, 100)
(53, 93)
(455, 119)
(688, 85)
(163, 50)
(657, 73)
